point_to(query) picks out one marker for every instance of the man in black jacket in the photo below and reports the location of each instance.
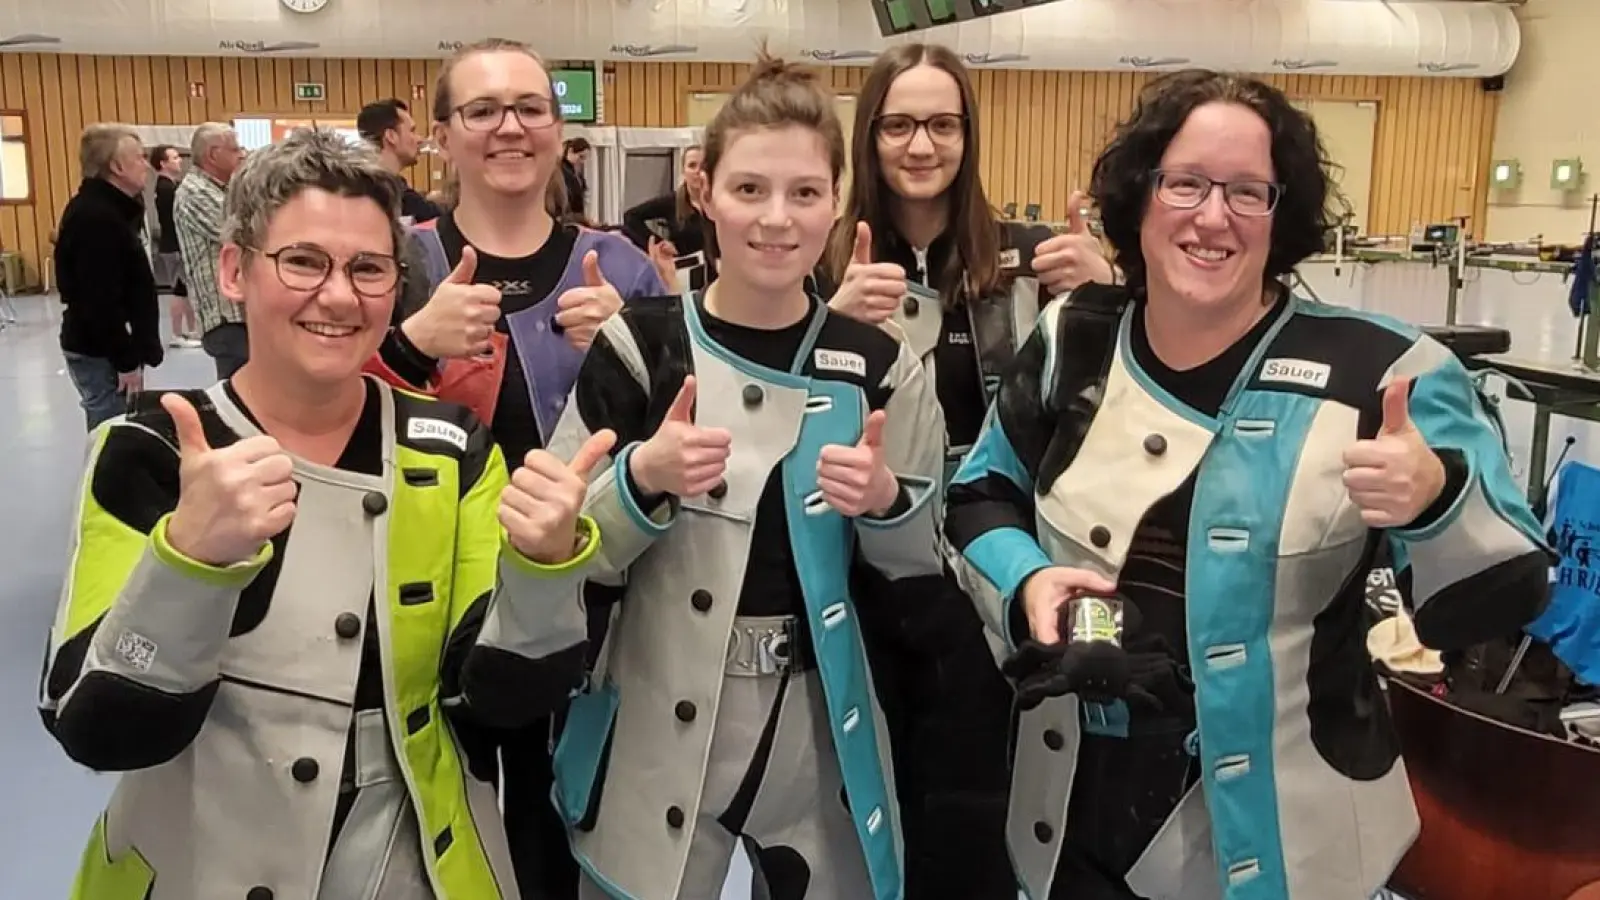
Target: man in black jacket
(111, 327)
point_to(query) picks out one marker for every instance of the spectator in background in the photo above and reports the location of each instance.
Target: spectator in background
(214, 156)
(574, 158)
(168, 165)
(387, 125)
(111, 328)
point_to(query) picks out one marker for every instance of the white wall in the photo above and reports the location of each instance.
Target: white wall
(1548, 112)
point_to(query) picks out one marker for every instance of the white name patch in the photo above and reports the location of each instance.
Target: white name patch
(437, 430)
(1010, 258)
(1297, 371)
(841, 361)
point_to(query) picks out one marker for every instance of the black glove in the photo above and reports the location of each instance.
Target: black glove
(1097, 671)
(1156, 683)
(1094, 670)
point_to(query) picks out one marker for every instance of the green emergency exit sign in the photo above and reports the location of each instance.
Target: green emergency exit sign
(310, 90)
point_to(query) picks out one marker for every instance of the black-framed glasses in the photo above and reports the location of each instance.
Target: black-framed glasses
(1187, 190)
(533, 112)
(943, 129)
(306, 267)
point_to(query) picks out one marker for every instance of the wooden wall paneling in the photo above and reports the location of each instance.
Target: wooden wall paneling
(17, 229)
(1040, 130)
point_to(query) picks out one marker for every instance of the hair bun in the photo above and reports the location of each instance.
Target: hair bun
(772, 68)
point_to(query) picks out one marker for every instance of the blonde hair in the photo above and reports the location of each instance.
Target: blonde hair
(444, 103)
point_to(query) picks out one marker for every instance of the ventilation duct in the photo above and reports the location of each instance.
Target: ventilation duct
(1432, 37)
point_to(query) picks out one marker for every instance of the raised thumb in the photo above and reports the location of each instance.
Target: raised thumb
(1076, 224)
(592, 276)
(872, 434)
(186, 419)
(1397, 407)
(466, 269)
(592, 451)
(863, 249)
(682, 409)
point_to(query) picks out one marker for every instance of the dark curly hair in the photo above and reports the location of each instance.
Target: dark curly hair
(1124, 173)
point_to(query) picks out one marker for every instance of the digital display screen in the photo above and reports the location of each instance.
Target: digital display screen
(896, 17)
(575, 92)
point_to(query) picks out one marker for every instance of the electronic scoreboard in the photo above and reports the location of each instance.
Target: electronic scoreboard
(902, 16)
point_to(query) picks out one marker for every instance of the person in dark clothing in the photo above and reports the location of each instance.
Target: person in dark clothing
(672, 230)
(168, 166)
(111, 327)
(574, 156)
(388, 127)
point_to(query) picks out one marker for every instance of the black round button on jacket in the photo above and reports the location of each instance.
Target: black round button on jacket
(910, 306)
(753, 395)
(674, 817)
(259, 893)
(1043, 832)
(700, 600)
(718, 490)
(685, 711)
(374, 503)
(347, 626)
(305, 770)
(1155, 444)
(1053, 739)
(1100, 536)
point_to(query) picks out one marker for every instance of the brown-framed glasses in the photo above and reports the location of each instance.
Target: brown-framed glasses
(306, 267)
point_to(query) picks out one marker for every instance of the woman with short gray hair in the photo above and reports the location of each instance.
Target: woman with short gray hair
(287, 589)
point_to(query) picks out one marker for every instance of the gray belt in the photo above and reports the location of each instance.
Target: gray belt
(763, 646)
(374, 757)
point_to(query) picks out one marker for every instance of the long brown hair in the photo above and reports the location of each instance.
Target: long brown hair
(973, 270)
(776, 94)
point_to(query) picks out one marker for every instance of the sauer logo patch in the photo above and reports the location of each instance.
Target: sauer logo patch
(1297, 371)
(841, 361)
(437, 430)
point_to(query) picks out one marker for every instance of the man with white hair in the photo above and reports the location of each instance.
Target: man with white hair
(111, 327)
(197, 212)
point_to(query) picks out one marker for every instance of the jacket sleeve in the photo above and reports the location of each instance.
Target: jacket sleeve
(1479, 562)
(610, 392)
(905, 542)
(634, 219)
(525, 621)
(134, 653)
(989, 516)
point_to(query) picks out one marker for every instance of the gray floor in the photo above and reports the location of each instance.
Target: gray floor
(50, 803)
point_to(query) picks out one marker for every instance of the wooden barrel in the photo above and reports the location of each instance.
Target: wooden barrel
(1506, 813)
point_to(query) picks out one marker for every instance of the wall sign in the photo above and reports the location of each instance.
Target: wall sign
(574, 90)
(310, 91)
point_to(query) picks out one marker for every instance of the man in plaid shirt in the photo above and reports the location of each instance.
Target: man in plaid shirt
(197, 212)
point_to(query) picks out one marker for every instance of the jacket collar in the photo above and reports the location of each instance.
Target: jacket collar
(113, 196)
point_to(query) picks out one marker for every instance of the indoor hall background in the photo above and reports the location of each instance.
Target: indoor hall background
(1041, 129)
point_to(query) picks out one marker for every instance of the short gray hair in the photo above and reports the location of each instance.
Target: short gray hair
(206, 135)
(308, 158)
(98, 147)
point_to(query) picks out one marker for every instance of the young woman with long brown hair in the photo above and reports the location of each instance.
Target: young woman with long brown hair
(919, 244)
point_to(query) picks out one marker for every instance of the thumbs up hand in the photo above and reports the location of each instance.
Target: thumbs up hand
(1394, 476)
(681, 458)
(870, 292)
(459, 317)
(855, 480)
(582, 310)
(230, 500)
(539, 509)
(1073, 259)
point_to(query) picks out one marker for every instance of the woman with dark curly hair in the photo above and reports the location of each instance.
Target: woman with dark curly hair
(1170, 516)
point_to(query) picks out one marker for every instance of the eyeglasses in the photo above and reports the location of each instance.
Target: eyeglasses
(1187, 190)
(532, 113)
(943, 129)
(306, 267)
